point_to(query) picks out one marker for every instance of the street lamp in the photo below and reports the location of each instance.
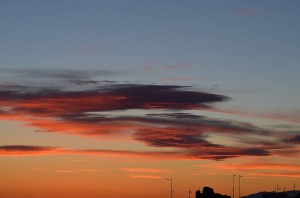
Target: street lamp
(190, 192)
(171, 180)
(240, 185)
(233, 186)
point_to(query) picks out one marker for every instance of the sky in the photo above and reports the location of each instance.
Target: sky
(110, 98)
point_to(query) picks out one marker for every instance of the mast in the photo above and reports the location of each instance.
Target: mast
(240, 185)
(171, 181)
(233, 186)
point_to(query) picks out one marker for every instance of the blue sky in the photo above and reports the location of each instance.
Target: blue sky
(240, 46)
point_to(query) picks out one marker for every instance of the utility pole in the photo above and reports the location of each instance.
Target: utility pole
(171, 180)
(190, 192)
(240, 185)
(294, 190)
(233, 186)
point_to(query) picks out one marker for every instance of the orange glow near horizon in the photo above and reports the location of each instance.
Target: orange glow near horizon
(62, 176)
(123, 140)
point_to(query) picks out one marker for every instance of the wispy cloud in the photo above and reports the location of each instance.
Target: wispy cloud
(79, 170)
(292, 117)
(92, 170)
(65, 171)
(258, 169)
(28, 150)
(144, 177)
(258, 166)
(39, 169)
(146, 170)
(278, 174)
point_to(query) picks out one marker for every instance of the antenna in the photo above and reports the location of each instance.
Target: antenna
(190, 192)
(171, 180)
(233, 186)
(294, 186)
(277, 188)
(240, 185)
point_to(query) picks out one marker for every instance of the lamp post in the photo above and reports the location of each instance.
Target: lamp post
(240, 185)
(294, 187)
(171, 180)
(190, 192)
(233, 186)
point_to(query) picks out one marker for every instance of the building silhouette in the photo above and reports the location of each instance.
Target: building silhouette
(208, 192)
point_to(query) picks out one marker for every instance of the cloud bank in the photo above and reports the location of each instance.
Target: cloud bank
(101, 110)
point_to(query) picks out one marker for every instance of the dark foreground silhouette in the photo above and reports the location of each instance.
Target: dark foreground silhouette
(208, 192)
(286, 194)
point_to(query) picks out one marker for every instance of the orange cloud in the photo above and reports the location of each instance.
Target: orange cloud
(259, 169)
(281, 174)
(261, 166)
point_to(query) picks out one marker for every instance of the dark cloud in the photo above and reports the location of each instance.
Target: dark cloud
(166, 96)
(28, 150)
(195, 143)
(107, 98)
(91, 82)
(173, 137)
(25, 148)
(88, 112)
(228, 152)
(295, 139)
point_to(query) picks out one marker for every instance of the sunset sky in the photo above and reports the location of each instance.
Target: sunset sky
(108, 98)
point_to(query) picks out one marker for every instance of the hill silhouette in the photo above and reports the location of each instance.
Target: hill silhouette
(287, 194)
